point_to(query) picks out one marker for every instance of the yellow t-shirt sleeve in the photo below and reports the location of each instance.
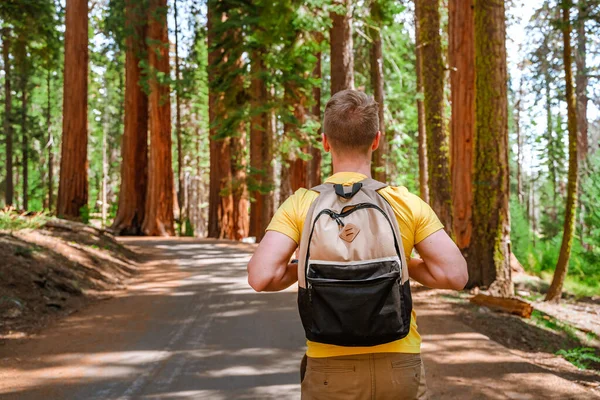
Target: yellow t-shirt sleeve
(284, 220)
(426, 221)
(289, 217)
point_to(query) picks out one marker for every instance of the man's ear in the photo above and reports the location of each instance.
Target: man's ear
(326, 145)
(376, 141)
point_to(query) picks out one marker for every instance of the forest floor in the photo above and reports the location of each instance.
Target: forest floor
(54, 270)
(188, 326)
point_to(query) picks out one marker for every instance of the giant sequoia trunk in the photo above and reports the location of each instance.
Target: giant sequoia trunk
(261, 151)
(298, 166)
(438, 141)
(9, 190)
(422, 135)
(378, 168)
(221, 204)
(462, 82)
(134, 148)
(158, 215)
(73, 184)
(241, 219)
(489, 252)
(342, 56)
(181, 198)
(555, 291)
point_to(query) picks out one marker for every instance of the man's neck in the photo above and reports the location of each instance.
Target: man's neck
(359, 165)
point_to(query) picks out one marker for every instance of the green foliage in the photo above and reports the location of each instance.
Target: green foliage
(581, 357)
(13, 221)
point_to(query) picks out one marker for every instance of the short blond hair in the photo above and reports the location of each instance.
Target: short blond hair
(351, 120)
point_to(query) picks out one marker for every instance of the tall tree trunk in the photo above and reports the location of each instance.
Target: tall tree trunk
(551, 149)
(342, 56)
(220, 203)
(298, 167)
(9, 192)
(73, 184)
(518, 108)
(379, 165)
(314, 165)
(134, 148)
(581, 81)
(261, 151)
(50, 144)
(555, 291)
(24, 140)
(438, 150)
(461, 27)
(241, 219)
(158, 218)
(489, 252)
(422, 146)
(180, 173)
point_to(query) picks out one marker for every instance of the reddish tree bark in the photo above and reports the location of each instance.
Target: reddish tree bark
(261, 151)
(342, 56)
(489, 251)
(378, 168)
(134, 148)
(73, 185)
(158, 215)
(220, 204)
(461, 29)
(422, 135)
(438, 151)
(241, 219)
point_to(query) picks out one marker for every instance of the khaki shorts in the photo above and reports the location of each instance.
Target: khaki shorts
(375, 376)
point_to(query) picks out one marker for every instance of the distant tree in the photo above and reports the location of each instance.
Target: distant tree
(8, 131)
(342, 56)
(438, 141)
(158, 215)
(555, 291)
(462, 124)
(261, 148)
(378, 168)
(73, 184)
(422, 134)
(314, 164)
(134, 148)
(489, 252)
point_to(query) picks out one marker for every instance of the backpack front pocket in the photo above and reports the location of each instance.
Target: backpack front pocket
(362, 312)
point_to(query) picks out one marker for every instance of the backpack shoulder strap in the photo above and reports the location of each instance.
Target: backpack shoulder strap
(372, 184)
(322, 187)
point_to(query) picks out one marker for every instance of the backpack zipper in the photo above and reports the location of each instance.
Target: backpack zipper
(337, 218)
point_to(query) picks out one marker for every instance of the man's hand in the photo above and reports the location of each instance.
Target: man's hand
(269, 269)
(442, 265)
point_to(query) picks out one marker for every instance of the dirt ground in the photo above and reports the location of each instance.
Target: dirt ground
(53, 271)
(190, 327)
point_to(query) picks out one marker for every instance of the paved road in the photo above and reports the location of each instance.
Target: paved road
(192, 328)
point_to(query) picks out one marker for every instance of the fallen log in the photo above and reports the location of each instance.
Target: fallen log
(505, 304)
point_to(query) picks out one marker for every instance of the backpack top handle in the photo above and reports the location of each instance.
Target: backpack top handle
(339, 190)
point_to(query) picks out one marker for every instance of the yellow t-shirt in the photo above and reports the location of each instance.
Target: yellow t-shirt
(416, 221)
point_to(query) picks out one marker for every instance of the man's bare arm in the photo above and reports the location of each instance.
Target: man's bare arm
(441, 266)
(269, 269)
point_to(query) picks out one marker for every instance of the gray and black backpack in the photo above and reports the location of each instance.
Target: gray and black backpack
(352, 272)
